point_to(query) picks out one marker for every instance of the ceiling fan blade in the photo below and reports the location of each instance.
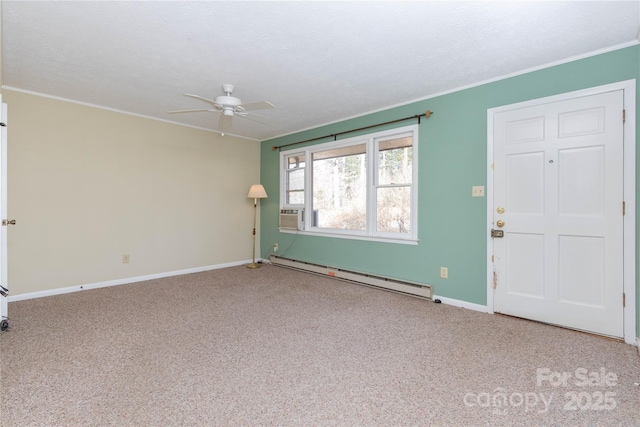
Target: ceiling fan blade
(254, 118)
(210, 101)
(193, 111)
(261, 105)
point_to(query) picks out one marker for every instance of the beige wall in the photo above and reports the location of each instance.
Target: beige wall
(87, 185)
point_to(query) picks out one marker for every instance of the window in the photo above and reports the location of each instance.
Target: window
(363, 187)
(340, 188)
(393, 186)
(294, 176)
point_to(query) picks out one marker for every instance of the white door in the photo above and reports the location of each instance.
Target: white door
(3, 209)
(558, 188)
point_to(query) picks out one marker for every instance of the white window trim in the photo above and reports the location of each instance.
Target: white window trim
(372, 184)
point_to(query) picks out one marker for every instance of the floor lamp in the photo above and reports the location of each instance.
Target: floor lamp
(255, 192)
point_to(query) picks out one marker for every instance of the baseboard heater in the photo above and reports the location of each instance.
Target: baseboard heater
(410, 288)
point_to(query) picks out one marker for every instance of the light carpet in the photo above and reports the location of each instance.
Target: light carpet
(280, 347)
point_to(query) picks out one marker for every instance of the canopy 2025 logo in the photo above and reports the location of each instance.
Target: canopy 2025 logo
(597, 400)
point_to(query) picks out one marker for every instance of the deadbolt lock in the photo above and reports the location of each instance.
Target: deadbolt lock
(500, 210)
(500, 223)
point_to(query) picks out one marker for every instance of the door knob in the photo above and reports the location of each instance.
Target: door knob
(7, 222)
(500, 223)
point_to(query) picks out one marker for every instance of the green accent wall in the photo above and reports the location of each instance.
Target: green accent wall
(452, 158)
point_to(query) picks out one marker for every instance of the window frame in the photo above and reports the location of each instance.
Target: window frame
(371, 142)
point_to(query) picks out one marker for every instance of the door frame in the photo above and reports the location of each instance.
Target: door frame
(629, 182)
(4, 301)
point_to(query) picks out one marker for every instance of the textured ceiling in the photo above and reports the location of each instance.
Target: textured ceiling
(318, 62)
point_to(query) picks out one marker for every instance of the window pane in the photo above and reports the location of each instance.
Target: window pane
(295, 187)
(340, 152)
(296, 161)
(394, 161)
(340, 188)
(390, 144)
(394, 210)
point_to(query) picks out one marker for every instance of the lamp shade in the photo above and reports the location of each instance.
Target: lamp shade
(257, 192)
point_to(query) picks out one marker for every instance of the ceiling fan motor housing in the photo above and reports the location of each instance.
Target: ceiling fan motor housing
(228, 101)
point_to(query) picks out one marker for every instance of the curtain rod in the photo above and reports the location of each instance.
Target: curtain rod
(426, 114)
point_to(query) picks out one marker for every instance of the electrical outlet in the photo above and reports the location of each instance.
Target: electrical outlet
(444, 272)
(477, 191)
(125, 259)
(275, 247)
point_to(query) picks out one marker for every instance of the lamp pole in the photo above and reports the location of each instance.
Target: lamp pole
(255, 192)
(255, 216)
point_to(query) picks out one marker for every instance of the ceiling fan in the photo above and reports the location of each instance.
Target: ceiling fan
(229, 107)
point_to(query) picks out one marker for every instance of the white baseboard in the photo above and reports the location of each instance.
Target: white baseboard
(124, 281)
(638, 345)
(460, 303)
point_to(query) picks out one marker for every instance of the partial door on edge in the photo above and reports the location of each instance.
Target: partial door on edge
(4, 306)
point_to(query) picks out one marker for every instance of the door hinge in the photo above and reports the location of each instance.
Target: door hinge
(624, 208)
(624, 300)
(624, 116)
(492, 258)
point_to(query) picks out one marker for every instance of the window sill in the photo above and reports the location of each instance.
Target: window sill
(352, 237)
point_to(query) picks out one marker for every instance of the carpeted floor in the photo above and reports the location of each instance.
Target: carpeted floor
(281, 347)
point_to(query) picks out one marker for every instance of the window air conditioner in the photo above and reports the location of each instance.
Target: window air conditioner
(291, 219)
